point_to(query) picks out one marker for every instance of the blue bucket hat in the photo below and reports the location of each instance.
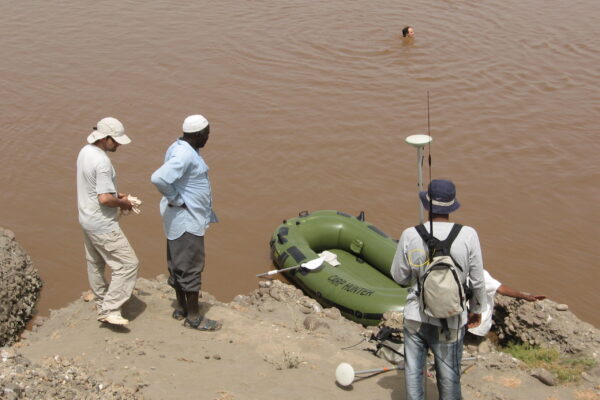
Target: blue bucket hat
(443, 194)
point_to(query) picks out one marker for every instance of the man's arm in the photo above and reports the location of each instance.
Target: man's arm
(478, 299)
(165, 177)
(508, 291)
(400, 270)
(110, 200)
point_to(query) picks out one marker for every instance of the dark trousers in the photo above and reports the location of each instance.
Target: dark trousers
(185, 261)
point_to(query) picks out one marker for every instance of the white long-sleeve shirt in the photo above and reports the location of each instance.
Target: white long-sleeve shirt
(411, 256)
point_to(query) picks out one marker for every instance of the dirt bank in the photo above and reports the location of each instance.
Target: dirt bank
(275, 343)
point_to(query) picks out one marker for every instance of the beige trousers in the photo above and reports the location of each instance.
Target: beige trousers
(112, 249)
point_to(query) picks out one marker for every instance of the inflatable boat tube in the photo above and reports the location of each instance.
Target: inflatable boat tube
(361, 287)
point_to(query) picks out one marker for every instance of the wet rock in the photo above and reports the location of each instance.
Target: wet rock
(88, 296)
(313, 323)
(20, 285)
(543, 376)
(278, 294)
(332, 313)
(265, 284)
(305, 310)
(241, 299)
(311, 304)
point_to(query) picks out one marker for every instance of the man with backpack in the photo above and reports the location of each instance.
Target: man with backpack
(436, 268)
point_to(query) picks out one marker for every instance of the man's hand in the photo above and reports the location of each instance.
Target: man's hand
(508, 291)
(531, 297)
(109, 200)
(473, 320)
(125, 204)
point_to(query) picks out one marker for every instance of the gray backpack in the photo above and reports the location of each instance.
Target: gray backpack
(440, 289)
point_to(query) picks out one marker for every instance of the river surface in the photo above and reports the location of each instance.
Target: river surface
(309, 104)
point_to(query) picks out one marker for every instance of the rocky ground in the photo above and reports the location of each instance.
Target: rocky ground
(20, 285)
(275, 343)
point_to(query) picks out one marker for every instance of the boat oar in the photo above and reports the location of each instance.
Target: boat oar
(345, 374)
(310, 265)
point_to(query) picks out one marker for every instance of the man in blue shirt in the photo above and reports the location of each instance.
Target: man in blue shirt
(186, 210)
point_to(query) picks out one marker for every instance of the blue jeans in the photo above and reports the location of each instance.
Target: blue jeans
(418, 337)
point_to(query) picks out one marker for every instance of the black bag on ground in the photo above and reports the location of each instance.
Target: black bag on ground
(389, 347)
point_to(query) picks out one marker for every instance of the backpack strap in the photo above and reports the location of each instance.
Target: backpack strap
(432, 241)
(447, 243)
(422, 232)
(443, 245)
(435, 245)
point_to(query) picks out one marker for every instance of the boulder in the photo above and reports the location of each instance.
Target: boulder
(544, 323)
(20, 286)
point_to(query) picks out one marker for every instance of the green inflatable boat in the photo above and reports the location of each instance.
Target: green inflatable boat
(361, 287)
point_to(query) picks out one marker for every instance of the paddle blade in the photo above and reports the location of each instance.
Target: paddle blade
(344, 374)
(313, 264)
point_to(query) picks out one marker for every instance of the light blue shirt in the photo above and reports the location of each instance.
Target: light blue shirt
(183, 179)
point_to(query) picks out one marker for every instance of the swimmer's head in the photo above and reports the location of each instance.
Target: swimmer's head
(408, 31)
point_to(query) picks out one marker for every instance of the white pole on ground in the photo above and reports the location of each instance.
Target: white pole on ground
(345, 373)
(419, 141)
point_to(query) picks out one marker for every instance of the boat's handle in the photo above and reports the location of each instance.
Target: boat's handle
(281, 239)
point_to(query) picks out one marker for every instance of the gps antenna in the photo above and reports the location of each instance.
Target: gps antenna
(419, 141)
(429, 194)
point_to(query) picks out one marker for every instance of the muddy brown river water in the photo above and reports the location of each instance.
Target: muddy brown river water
(309, 104)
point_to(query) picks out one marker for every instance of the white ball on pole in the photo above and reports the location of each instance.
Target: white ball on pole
(344, 374)
(419, 141)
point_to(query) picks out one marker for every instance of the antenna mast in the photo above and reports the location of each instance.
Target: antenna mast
(419, 141)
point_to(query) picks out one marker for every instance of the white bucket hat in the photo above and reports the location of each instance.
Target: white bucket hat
(194, 123)
(109, 126)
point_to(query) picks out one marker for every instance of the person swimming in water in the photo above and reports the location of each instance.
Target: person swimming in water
(408, 31)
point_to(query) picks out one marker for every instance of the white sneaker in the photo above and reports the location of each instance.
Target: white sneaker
(113, 319)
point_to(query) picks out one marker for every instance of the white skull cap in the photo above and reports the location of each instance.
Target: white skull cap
(194, 123)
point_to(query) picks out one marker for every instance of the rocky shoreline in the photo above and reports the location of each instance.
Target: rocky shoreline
(275, 343)
(20, 285)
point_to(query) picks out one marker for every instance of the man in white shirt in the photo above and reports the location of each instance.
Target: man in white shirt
(492, 286)
(422, 332)
(99, 202)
